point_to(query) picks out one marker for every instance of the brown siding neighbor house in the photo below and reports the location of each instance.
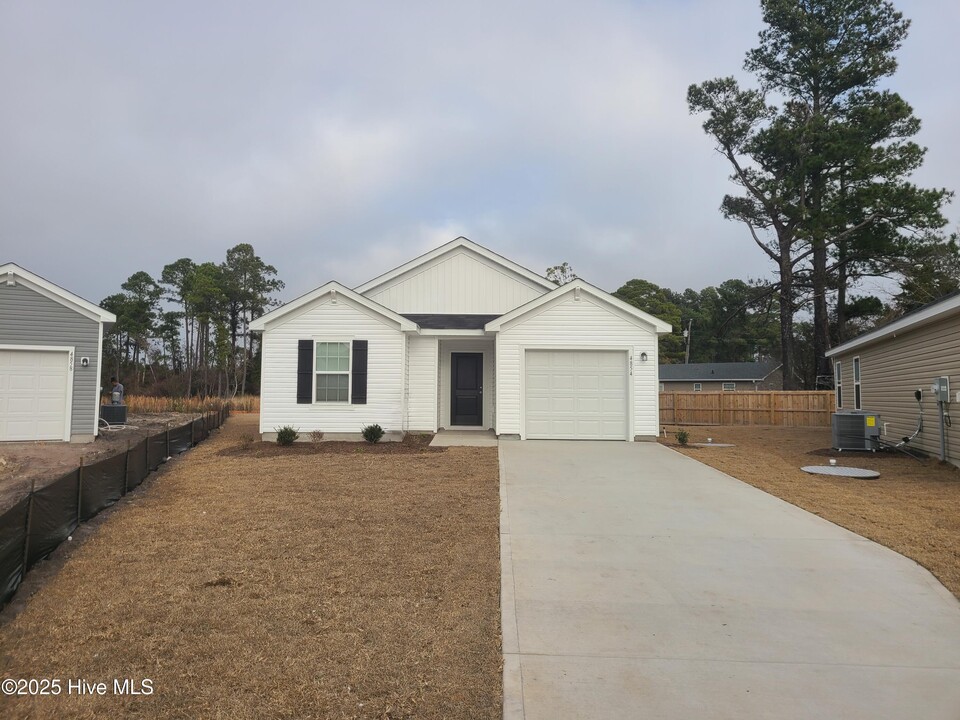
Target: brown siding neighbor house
(880, 371)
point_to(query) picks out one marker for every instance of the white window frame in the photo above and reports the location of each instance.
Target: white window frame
(697, 387)
(857, 393)
(838, 383)
(661, 387)
(349, 371)
(732, 388)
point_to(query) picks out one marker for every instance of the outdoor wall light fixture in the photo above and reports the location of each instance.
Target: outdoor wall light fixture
(643, 357)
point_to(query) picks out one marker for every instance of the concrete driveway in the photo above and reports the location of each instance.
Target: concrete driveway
(638, 583)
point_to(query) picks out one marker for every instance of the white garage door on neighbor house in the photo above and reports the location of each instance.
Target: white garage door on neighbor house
(576, 394)
(34, 388)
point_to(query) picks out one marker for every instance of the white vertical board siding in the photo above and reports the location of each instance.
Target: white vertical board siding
(481, 345)
(577, 324)
(422, 358)
(326, 321)
(458, 282)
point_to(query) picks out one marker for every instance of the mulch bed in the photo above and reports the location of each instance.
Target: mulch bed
(365, 586)
(412, 444)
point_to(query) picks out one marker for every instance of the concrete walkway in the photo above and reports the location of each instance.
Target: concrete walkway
(467, 438)
(638, 583)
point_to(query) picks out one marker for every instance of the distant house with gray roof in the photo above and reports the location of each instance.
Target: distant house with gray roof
(721, 377)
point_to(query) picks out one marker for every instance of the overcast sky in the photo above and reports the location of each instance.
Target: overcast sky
(341, 139)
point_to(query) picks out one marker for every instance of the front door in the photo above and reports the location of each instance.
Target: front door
(466, 389)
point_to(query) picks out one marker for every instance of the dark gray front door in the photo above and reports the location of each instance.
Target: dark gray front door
(466, 389)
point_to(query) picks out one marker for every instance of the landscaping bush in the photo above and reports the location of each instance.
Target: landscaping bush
(316, 435)
(372, 433)
(286, 435)
(683, 437)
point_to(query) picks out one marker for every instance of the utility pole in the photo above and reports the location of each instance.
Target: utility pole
(688, 333)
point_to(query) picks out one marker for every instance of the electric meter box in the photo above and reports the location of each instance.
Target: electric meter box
(941, 389)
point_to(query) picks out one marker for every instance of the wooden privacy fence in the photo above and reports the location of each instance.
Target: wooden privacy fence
(799, 408)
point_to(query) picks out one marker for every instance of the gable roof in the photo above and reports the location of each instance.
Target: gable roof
(460, 242)
(579, 285)
(260, 323)
(11, 272)
(942, 308)
(717, 372)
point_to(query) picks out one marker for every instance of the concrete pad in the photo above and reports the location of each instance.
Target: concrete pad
(465, 438)
(638, 582)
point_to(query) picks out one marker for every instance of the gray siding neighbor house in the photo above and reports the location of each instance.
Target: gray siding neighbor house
(881, 370)
(721, 377)
(50, 359)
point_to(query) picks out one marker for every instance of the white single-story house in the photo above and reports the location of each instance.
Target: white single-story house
(461, 338)
(50, 358)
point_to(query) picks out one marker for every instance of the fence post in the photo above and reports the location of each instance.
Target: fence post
(167, 435)
(193, 439)
(79, 489)
(126, 469)
(26, 538)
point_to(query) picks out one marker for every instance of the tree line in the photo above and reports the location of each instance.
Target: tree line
(822, 155)
(186, 332)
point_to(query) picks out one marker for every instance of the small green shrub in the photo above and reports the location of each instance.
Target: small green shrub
(286, 435)
(372, 433)
(683, 437)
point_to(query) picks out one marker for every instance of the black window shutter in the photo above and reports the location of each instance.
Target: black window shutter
(304, 371)
(358, 393)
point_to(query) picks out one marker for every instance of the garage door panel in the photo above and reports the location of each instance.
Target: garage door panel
(34, 387)
(19, 382)
(572, 394)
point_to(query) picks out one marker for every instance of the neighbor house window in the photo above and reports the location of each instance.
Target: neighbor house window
(729, 387)
(856, 383)
(332, 371)
(697, 387)
(661, 387)
(837, 377)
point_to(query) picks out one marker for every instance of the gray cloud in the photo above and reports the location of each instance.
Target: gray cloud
(342, 139)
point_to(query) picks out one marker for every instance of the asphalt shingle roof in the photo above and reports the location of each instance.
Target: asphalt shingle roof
(731, 371)
(438, 321)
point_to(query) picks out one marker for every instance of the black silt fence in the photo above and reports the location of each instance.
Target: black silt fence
(53, 516)
(137, 468)
(102, 484)
(13, 540)
(180, 439)
(157, 450)
(37, 524)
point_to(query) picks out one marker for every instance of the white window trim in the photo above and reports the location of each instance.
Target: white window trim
(724, 387)
(857, 389)
(349, 372)
(838, 384)
(698, 387)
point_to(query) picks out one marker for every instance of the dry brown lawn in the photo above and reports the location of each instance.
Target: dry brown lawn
(913, 508)
(301, 586)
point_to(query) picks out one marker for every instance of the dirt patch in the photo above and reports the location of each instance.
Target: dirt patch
(913, 507)
(357, 586)
(249, 446)
(25, 463)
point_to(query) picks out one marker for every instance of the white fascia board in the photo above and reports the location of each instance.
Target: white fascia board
(260, 323)
(627, 309)
(922, 317)
(11, 272)
(460, 242)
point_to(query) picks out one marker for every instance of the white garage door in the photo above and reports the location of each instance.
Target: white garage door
(576, 394)
(33, 395)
